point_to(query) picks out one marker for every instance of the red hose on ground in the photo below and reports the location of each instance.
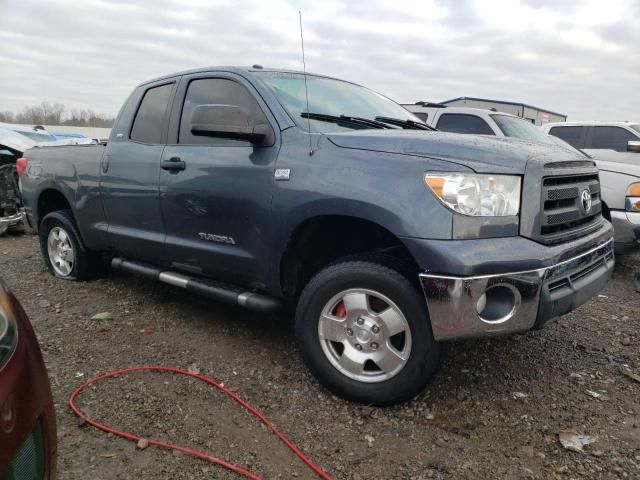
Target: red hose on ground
(188, 451)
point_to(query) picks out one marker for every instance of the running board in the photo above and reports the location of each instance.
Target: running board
(222, 292)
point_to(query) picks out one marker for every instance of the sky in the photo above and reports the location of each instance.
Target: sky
(580, 58)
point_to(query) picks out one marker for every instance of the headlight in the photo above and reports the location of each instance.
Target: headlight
(477, 195)
(633, 198)
(8, 330)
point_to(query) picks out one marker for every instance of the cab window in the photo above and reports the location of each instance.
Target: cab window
(148, 124)
(571, 135)
(611, 138)
(463, 123)
(422, 116)
(216, 91)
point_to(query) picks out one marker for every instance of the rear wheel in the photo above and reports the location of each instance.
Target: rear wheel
(63, 251)
(364, 332)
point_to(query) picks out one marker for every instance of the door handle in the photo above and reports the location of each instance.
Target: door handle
(174, 164)
(105, 163)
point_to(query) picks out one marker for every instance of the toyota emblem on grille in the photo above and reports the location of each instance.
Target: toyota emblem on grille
(586, 200)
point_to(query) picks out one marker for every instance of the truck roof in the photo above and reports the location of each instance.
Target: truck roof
(591, 123)
(445, 109)
(236, 69)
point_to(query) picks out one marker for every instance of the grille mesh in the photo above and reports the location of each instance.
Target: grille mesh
(28, 464)
(562, 193)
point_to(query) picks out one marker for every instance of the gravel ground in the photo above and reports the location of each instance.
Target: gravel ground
(494, 411)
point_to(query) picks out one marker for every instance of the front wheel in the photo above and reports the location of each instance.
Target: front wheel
(363, 330)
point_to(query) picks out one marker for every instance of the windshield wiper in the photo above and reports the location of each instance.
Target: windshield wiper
(345, 120)
(408, 124)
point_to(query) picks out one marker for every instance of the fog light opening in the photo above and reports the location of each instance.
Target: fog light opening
(481, 304)
(498, 303)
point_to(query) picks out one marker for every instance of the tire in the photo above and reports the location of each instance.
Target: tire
(72, 260)
(377, 300)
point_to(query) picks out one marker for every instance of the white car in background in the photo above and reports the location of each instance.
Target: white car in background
(619, 170)
(37, 133)
(477, 121)
(611, 136)
(616, 148)
(40, 136)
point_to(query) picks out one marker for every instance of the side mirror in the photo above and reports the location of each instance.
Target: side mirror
(228, 121)
(633, 146)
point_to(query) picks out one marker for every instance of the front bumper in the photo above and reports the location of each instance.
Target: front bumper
(13, 220)
(627, 230)
(515, 302)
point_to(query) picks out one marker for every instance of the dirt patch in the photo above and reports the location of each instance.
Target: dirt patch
(494, 411)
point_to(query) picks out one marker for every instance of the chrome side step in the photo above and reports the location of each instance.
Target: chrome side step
(222, 292)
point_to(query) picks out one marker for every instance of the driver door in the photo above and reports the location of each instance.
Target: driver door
(217, 208)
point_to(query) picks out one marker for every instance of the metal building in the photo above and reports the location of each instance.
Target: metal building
(535, 115)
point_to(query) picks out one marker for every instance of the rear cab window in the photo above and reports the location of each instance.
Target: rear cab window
(571, 135)
(463, 123)
(148, 124)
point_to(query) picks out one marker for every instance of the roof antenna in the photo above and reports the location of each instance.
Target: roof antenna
(306, 91)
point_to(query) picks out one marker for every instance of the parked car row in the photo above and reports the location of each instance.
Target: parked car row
(612, 145)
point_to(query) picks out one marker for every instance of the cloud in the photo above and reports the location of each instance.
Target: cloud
(578, 58)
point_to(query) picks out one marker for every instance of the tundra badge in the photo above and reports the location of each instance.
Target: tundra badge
(211, 237)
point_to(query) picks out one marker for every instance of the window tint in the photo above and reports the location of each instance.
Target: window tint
(571, 135)
(216, 91)
(461, 123)
(611, 138)
(421, 115)
(518, 128)
(149, 121)
(330, 97)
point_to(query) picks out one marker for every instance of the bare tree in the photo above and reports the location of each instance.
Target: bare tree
(7, 117)
(48, 114)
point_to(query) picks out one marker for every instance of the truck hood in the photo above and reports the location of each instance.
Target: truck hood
(483, 154)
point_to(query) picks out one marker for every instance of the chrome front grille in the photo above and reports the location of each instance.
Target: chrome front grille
(563, 205)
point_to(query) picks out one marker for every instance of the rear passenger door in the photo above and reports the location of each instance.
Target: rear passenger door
(463, 123)
(217, 210)
(130, 171)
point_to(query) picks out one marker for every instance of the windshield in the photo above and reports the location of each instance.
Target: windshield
(517, 128)
(636, 128)
(328, 96)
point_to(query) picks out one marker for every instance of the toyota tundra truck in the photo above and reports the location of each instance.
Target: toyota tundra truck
(270, 189)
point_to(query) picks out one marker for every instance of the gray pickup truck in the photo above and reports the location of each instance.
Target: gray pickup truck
(387, 237)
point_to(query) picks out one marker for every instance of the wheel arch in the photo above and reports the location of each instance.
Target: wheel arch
(322, 239)
(51, 200)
